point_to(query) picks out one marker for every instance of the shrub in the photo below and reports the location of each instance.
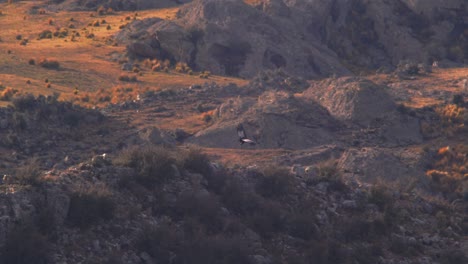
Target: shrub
(24, 102)
(458, 100)
(45, 34)
(207, 117)
(453, 256)
(219, 250)
(268, 219)
(31, 62)
(160, 242)
(380, 196)
(154, 165)
(88, 206)
(182, 67)
(328, 171)
(7, 94)
(204, 75)
(275, 182)
(101, 10)
(72, 119)
(29, 173)
(204, 208)
(302, 225)
(49, 63)
(195, 161)
(238, 197)
(127, 78)
(402, 247)
(25, 245)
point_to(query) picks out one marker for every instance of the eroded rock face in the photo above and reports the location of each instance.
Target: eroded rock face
(233, 38)
(379, 164)
(352, 99)
(274, 120)
(309, 38)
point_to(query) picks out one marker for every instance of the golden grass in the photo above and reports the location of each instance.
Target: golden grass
(84, 62)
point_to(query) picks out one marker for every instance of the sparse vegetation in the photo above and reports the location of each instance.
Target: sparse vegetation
(275, 182)
(45, 34)
(29, 173)
(26, 245)
(88, 206)
(153, 165)
(194, 160)
(127, 78)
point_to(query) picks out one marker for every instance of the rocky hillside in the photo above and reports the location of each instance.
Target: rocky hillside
(306, 38)
(345, 186)
(138, 160)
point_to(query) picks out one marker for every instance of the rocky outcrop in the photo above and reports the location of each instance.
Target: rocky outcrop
(357, 101)
(377, 164)
(308, 38)
(274, 120)
(352, 99)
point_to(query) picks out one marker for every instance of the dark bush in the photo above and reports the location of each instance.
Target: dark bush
(49, 64)
(205, 208)
(24, 102)
(45, 34)
(458, 100)
(269, 219)
(196, 161)
(453, 256)
(72, 119)
(326, 252)
(302, 225)
(25, 245)
(160, 242)
(127, 78)
(89, 206)
(154, 165)
(216, 250)
(275, 182)
(380, 196)
(239, 198)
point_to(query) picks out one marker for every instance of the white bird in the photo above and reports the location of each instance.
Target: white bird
(243, 136)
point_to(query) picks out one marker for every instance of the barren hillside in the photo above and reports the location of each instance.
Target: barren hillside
(119, 141)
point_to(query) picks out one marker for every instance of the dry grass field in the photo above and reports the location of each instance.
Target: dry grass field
(86, 63)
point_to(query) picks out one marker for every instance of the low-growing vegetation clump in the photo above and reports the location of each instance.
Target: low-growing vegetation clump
(275, 182)
(49, 63)
(88, 206)
(29, 173)
(25, 244)
(153, 165)
(127, 78)
(45, 34)
(448, 172)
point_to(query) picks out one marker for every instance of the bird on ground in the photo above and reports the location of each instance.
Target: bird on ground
(243, 136)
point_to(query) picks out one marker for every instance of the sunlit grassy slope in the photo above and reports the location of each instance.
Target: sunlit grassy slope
(85, 63)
